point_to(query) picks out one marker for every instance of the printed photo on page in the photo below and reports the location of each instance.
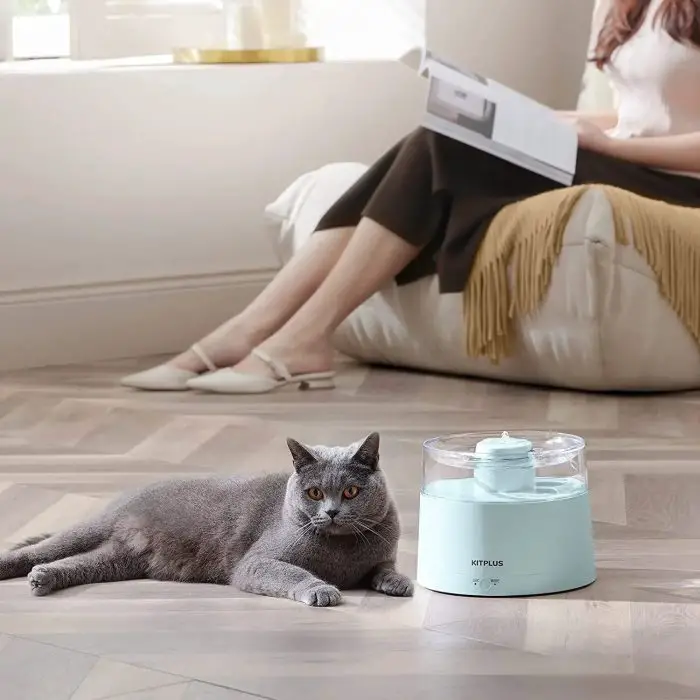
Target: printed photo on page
(462, 108)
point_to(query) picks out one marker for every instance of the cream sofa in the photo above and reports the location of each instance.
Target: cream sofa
(602, 326)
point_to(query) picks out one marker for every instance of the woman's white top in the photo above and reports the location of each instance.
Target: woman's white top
(657, 83)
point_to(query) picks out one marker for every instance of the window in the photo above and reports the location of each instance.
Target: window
(119, 28)
(103, 29)
(365, 29)
(40, 29)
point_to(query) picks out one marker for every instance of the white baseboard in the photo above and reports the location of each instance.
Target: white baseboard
(88, 323)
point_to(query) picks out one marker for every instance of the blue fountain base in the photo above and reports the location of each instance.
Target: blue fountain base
(503, 548)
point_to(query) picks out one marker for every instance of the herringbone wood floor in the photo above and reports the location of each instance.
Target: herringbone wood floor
(70, 438)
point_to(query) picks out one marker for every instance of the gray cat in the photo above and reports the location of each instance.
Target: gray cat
(331, 525)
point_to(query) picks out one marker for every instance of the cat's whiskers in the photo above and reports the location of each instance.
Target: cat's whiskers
(363, 523)
(358, 532)
(319, 523)
(299, 536)
(367, 525)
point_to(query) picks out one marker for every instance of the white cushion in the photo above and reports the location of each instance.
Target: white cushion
(297, 211)
(602, 326)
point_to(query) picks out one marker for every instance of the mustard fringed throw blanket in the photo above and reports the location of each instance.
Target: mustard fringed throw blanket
(524, 242)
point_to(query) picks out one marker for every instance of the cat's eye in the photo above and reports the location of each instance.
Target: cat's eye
(315, 494)
(351, 492)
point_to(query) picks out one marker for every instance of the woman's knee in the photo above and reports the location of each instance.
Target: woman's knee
(427, 141)
(421, 135)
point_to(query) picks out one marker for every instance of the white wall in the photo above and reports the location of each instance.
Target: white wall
(535, 46)
(132, 199)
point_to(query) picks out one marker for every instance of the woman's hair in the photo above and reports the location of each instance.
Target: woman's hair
(680, 18)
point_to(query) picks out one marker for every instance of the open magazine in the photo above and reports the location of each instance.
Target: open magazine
(493, 118)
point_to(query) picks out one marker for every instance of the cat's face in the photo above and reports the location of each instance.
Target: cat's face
(337, 490)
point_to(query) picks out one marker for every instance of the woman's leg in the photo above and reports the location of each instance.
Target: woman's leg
(373, 256)
(276, 304)
(397, 190)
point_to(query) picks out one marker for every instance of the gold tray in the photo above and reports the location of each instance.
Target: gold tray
(222, 56)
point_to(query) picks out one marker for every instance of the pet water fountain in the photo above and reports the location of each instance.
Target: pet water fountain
(502, 515)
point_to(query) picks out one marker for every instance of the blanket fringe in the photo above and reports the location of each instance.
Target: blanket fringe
(513, 269)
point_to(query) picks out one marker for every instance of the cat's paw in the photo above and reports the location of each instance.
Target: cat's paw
(320, 595)
(393, 583)
(42, 580)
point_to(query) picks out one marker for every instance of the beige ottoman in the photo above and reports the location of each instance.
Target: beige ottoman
(602, 326)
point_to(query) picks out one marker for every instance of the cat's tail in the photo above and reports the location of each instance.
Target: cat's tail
(34, 539)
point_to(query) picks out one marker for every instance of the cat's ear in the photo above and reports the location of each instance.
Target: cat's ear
(302, 456)
(368, 452)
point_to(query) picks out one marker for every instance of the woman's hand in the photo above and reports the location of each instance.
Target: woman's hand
(590, 135)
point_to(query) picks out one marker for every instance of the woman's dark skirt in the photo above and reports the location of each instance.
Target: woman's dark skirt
(441, 195)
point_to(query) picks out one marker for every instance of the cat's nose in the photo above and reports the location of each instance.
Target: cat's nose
(332, 513)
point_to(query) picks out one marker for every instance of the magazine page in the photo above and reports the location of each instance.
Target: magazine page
(534, 129)
(490, 116)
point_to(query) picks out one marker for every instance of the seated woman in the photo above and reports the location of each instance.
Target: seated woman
(425, 206)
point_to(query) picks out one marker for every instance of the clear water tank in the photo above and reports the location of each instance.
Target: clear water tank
(505, 514)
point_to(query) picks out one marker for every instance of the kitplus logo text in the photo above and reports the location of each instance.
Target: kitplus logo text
(486, 562)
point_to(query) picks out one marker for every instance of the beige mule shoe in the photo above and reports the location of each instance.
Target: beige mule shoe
(165, 377)
(231, 381)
